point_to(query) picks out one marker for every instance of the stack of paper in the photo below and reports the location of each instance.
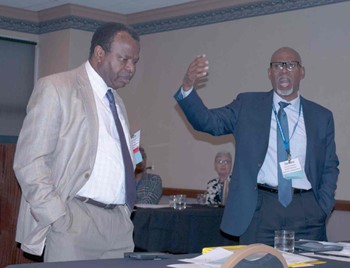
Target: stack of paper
(217, 256)
(341, 255)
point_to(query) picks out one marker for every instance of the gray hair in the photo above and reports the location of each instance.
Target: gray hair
(223, 153)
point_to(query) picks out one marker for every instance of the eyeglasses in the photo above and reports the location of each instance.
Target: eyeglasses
(223, 162)
(290, 65)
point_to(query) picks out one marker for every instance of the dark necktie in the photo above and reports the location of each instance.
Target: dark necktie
(130, 187)
(284, 186)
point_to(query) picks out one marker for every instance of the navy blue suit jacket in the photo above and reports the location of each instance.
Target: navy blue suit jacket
(248, 119)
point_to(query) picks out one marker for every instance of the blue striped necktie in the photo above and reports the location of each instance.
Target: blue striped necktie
(284, 185)
(130, 186)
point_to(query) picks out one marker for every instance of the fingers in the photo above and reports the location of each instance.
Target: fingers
(197, 69)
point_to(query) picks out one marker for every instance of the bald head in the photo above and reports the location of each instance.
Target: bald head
(285, 72)
(285, 52)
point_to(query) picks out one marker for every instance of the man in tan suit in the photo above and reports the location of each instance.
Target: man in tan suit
(69, 160)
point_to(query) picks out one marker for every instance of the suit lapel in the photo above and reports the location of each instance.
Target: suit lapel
(264, 110)
(85, 90)
(309, 126)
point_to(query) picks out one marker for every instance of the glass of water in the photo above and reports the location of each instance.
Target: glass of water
(180, 202)
(172, 201)
(284, 240)
(201, 199)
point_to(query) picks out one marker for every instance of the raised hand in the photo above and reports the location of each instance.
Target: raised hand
(198, 69)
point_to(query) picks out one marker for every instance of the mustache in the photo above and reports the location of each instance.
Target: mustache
(284, 76)
(125, 74)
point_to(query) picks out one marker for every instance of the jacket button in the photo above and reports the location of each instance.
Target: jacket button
(87, 175)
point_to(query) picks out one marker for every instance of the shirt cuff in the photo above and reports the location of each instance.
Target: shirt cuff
(186, 93)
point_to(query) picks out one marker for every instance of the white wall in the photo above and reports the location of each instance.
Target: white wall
(239, 53)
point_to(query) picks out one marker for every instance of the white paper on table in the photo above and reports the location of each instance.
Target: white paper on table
(315, 255)
(341, 255)
(218, 256)
(292, 258)
(346, 249)
(214, 258)
(189, 265)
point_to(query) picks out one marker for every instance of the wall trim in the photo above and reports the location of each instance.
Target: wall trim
(18, 25)
(343, 205)
(241, 11)
(192, 193)
(260, 8)
(69, 22)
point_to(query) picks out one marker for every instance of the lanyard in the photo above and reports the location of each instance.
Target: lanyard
(284, 139)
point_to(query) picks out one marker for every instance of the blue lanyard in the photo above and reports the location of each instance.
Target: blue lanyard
(285, 141)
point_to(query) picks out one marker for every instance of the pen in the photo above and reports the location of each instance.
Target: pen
(330, 254)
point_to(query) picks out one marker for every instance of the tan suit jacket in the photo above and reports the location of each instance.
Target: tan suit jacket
(55, 152)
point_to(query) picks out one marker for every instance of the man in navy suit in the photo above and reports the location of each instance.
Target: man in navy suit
(253, 209)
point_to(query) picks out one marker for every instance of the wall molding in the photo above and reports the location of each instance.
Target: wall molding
(69, 22)
(228, 14)
(343, 205)
(192, 193)
(67, 18)
(18, 25)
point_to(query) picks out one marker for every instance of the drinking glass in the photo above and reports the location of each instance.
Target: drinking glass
(284, 240)
(180, 202)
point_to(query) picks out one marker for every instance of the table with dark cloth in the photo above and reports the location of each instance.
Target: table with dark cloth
(127, 263)
(179, 231)
(107, 263)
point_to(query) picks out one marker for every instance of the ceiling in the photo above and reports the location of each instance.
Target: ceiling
(118, 6)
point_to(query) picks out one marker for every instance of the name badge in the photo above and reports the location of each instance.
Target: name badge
(291, 169)
(135, 144)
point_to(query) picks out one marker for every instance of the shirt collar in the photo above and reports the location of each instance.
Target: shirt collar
(294, 104)
(98, 84)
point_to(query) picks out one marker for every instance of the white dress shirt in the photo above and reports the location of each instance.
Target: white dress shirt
(268, 172)
(107, 181)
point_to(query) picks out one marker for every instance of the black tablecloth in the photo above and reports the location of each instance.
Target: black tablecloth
(108, 263)
(127, 263)
(179, 231)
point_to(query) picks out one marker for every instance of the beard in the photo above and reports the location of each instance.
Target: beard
(283, 90)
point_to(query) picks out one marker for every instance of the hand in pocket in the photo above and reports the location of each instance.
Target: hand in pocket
(63, 223)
